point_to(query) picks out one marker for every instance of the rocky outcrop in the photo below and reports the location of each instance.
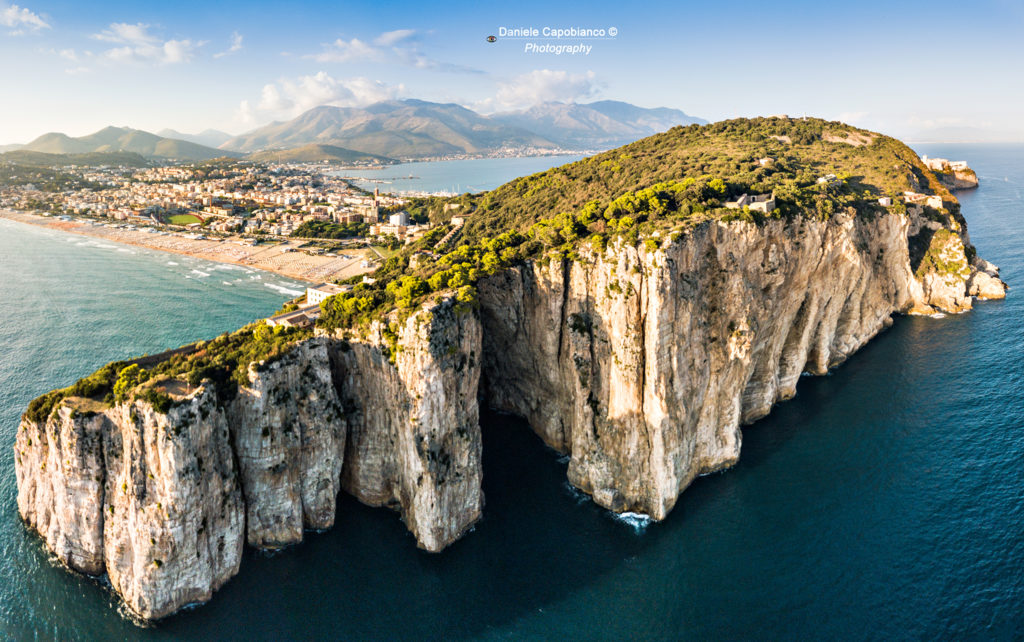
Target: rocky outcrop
(289, 436)
(959, 179)
(150, 498)
(640, 362)
(414, 434)
(163, 502)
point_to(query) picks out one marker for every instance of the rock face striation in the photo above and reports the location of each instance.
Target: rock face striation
(163, 502)
(640, 363)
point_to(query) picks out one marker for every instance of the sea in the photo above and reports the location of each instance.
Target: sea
(452, 176)
(885, 501)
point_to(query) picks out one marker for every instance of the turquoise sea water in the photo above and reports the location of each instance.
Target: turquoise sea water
(886, 501)
(456, 176)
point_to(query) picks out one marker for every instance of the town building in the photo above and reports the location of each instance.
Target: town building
(319, 293)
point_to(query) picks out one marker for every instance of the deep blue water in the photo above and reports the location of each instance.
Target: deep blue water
(883, 502)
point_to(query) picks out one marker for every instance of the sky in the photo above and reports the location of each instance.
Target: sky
(923, 71)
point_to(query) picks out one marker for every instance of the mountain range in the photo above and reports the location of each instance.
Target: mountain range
(389, 130)
(207, 137)
(125, 139)
(599, 125)
(416, 128)
(400, 129)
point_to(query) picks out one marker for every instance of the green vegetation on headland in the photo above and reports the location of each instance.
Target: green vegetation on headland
(222, 362)
(327, 230)
(645, 195)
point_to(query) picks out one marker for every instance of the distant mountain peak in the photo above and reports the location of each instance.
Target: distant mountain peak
(410, 127)
(123, 139)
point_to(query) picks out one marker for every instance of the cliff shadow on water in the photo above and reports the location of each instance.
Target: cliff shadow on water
(637, 359)
(539, 542)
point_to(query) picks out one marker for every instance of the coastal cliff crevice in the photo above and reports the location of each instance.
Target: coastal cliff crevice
(640, 362)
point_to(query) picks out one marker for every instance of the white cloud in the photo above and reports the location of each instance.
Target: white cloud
(542, 85)
(391, 38)
(398, 47)
(20, 20)
(289, 97)
(348, 51)
(139, 46)
(236, 46)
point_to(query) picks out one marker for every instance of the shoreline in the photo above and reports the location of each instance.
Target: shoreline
(283, 259)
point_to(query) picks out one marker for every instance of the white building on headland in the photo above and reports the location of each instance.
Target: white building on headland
(758, 203)
(943, 164)
(319, 293)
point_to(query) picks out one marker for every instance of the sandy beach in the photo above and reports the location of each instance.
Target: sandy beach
(281, 258)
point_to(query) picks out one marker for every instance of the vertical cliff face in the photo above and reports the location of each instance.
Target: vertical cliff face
(163, 501)
(150, 498)
(642, 363)
(289, 435)
(414, 441)
(175, 517)
(60, 470)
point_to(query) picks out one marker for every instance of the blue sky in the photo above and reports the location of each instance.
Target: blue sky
(922, 70)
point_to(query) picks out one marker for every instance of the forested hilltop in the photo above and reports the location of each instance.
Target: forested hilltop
(644, 194)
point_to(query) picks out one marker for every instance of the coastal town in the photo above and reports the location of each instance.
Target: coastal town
(295, 219)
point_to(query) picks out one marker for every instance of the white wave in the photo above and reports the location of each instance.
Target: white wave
(200, 273)
(937, 315)
(637, 521)
(578, 495)
(125, 250)
(171, 263)
(226, 282)
(283, 290)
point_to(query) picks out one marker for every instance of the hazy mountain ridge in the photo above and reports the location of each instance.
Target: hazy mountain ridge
(393, 128)
(416, 128)
(598, 125)
(124, 139)
(207, 137)
(390, 130)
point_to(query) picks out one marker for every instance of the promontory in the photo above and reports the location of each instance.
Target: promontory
(636, 307)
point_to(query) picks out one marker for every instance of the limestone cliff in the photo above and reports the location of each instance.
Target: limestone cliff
(639, 360)
(642, 364)
(163, 502)
(959, 179)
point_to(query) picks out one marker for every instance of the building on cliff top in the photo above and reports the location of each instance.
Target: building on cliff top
(944, 164)
(929, 200)
(319, 293)
(758, 203)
